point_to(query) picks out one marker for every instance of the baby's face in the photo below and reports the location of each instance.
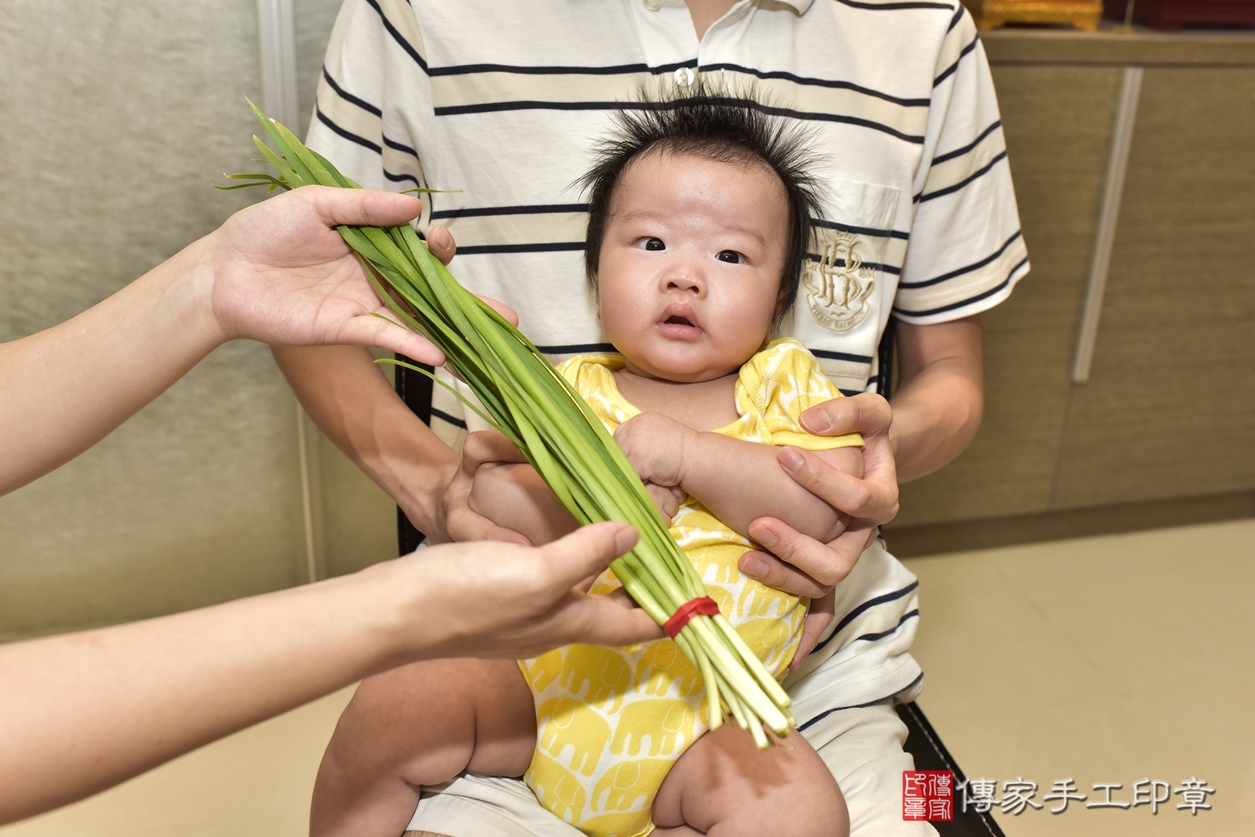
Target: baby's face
(690, 267)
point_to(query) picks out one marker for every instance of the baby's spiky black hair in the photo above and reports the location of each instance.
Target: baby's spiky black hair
(718, 125)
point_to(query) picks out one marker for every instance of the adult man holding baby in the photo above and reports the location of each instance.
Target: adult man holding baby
(502, 102)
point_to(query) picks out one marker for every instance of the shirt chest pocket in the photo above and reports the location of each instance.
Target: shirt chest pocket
(847, 284)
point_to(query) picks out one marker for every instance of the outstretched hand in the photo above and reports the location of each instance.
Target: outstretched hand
(283, 275)
(507, 601)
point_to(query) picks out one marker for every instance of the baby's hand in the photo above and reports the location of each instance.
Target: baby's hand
(667, 500)
(513, 498)
(654, 444)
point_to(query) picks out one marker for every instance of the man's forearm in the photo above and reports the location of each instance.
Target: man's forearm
(349, 398)
(939, 407)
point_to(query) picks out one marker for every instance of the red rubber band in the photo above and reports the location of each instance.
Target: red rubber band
(705, 606)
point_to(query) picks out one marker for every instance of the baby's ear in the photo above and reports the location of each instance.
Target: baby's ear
(782, 302)
(594, 288)
(783, 312)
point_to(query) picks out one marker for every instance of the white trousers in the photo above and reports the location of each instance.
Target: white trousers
(862, 660)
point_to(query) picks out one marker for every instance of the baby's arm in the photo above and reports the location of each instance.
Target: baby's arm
(513, 496)
(738, 481)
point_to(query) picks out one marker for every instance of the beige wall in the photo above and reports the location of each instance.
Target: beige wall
(114, 119)
(1167, 415)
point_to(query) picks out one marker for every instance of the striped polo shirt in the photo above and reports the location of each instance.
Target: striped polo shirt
(503, 102)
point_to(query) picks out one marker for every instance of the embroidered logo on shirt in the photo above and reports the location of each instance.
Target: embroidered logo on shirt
(838, 285)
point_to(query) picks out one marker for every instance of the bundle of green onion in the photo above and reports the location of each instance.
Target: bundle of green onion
(539, 411)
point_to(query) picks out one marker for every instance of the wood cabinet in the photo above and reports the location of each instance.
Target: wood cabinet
(1167, 416)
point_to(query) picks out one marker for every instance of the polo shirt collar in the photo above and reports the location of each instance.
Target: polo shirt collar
(799, 6)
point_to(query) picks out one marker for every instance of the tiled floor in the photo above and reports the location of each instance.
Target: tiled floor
(256, 783)
(1104, 660)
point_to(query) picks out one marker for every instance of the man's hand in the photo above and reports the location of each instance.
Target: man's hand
(803, 566)
(818, 617)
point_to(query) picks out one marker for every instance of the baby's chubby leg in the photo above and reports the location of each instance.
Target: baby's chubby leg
(420, 724)
(724, 786)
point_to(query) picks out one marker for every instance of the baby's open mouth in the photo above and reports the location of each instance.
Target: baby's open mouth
(679, 322)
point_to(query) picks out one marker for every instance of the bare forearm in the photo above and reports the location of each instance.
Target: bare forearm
(277, 272)
(933, 422)
(742, 481)
(349, 398)
(86, 711)
(939, 407)
(66, 388)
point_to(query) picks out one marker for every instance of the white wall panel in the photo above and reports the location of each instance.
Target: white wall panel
(357, 519)
(114, 119)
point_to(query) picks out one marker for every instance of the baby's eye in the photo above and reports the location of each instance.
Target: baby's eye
(730, 256)
(652, 244)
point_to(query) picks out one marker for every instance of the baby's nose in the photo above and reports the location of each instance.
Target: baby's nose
(685, 275)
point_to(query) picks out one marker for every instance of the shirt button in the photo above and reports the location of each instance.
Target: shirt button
(653, 5)
(684, 76)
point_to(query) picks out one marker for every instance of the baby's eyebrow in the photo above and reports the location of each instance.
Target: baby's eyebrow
(754, 234)
(649, 215)
(639, 215)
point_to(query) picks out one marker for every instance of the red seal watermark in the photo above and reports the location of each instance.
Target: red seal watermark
(928, 795)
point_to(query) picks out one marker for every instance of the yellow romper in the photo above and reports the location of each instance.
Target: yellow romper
(611, 721)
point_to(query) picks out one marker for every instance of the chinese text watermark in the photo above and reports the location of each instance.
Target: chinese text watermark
(934, 795)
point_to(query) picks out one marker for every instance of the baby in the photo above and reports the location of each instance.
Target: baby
(699, 220)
